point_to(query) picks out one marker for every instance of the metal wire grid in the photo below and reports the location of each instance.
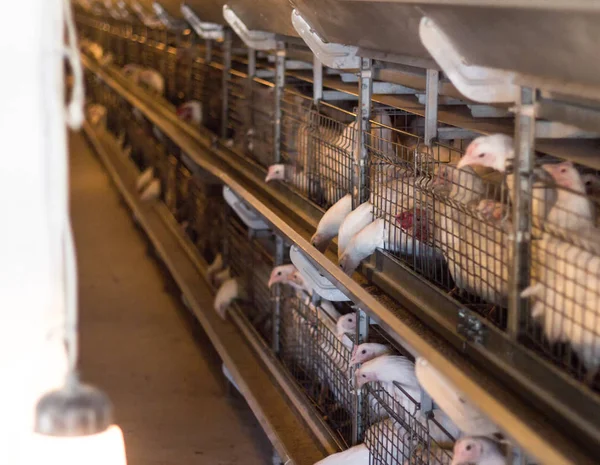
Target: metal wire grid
(399, 432)
(206, 216)
(319, 361)
(206, 87)
(249, 259)
(449, 225)
(318, 148)
(563, 322)
(295, 126)
(251, 107)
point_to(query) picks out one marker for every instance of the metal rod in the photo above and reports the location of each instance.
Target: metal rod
(317, 80)
(362, 335)
(359, 188)
(208, 51)
(523, 182)
(225, 83)
(279, 87)
(432, 85)
(277, 298)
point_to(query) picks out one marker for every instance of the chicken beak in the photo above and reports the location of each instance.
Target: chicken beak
(464, 161)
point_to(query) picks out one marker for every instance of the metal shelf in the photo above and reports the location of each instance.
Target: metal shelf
(295, 219)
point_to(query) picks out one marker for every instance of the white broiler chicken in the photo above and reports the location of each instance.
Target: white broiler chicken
(477, 450)
(572, 211)
(391, 369)
(330, 223)
(132, 72)
(497, 152)
(190, 112)
(281, 274)
(357, 455)
(231, 290)
(567, 275)
(477, 252)
(457, 407)
(152, 80)
(567, 299)
(388, 369)
(368, 351)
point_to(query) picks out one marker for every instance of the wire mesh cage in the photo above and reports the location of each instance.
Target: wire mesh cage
(206, 87)
(449, 225)
(251, 106)
(249, 255)
(318, 143)
(318, 360)
(206, 214)
(563, 322)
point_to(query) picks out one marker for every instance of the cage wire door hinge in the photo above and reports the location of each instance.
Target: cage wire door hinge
(471, 327)
(207, 31)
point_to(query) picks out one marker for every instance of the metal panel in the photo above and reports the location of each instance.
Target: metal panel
(387, 28)
(266, 15)
(549, 44)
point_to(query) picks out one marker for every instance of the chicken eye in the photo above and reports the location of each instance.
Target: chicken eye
(279, 273)
(468, 447)
(563, 170)
(364, 376)
(481, 155)
(364, 351)
(349, 320)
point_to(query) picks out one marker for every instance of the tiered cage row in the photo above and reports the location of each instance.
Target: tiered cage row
(453, 227)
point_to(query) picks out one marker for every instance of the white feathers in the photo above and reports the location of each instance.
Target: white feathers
(330, 223)
(354, 222)
(357, 455)
(152, 191)
(462, 412)
(227, 293)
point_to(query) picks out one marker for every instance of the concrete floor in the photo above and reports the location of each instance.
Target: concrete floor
(141, 347)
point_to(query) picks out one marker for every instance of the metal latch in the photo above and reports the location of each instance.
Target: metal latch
(470, 327)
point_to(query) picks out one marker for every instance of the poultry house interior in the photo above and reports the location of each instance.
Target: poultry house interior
(327, 232)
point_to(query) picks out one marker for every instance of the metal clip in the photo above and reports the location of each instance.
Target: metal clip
(470, 327)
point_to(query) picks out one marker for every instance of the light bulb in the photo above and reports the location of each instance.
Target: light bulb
(105, 448)
(73, 426)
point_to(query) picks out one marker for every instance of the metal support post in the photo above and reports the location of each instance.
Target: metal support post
(225, 82)
(208, 51)
(431, 105)
(277, 298)
(317, 80)
(279, 88)
(359, 188)
(362, 335)
(523, 182)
